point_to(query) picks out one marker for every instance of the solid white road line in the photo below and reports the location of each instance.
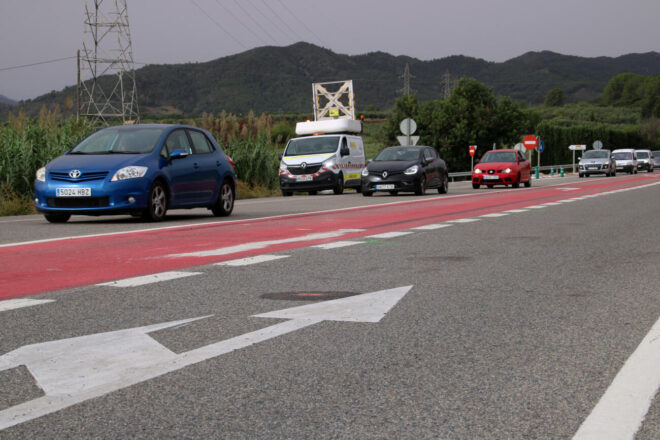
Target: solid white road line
(11, 304)
(251, 260)
(620, 412)
(494, 215)
(463, 220)
(516, 210)
(149, 279)
(337, 244)
(393, 234)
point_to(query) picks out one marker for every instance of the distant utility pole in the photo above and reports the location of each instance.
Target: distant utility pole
(406, 82)
(108, 74)
(446, 79)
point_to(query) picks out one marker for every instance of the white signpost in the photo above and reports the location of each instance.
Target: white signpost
(71, 371)
(408, 126)
(576, 148)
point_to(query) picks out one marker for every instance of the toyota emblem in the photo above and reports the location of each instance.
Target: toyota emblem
(384, 174)
(74, 174)
(303, 165)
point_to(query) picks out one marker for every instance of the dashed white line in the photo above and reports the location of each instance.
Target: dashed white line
(517, 210)
(392, 234)
(432, 226)
(11, 304)
(149, 279)
(337, 244)
(494, 215)
(464, 220)
(251, 260)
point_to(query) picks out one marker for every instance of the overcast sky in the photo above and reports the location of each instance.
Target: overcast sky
(176, 31)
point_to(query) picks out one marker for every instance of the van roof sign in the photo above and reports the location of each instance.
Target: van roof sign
(328, 126)
(333, 100)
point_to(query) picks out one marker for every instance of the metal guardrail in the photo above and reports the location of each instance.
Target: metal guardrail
(545, 168)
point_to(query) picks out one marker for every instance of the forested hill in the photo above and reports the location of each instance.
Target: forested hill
(278, 79)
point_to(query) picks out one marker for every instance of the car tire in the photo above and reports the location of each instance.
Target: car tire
(339, 185)
(286, 193)
(312, 193)
(580, 175)
(444, 186)
(420, 188)
(156, 203)
(224, 205)
(394, 193)
(529, 182)
(475, 186)
(57, 218)
(516, 184)
(490, 186)
(367, 193)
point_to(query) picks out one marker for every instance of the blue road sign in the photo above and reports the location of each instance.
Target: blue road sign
(540, 147)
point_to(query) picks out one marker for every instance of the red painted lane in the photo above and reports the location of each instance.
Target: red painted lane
(29, 269)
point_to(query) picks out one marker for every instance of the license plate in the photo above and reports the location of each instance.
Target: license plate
(74, 192)
(491, 178)
(304, 178)
(386, 186)
(592, 168)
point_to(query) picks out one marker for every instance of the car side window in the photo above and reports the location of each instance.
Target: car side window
(177, 140)
(200, 143)
(521, 157)
(428, 154)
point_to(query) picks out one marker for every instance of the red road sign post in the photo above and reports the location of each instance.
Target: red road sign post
(473, 149)
(530, 142)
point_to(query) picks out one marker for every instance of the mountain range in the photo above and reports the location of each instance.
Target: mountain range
(278, 79)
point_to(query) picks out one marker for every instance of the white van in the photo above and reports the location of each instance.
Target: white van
(332, 158)
(626, 160)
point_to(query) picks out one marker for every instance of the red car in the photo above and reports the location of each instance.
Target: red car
(502, 167)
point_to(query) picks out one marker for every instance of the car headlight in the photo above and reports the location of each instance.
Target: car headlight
(41, 174)
(506, 171)
(132, 172)
(283, 167)
(477, 171)
(329, 164)
(412, 170)
(365, 172)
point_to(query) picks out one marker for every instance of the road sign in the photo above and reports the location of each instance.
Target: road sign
(540, 147)
(407, 140)
(473, 149)
(408, 126)
(598, 145)
(519, 147)
(577, 147)
(71, 371)
(530, 142)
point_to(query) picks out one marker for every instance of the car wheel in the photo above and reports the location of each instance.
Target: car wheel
(156, 204)
(490, 186)
(580, 175)
(57, 218)
(367, 193)
(286, 193)
(516, 184)
(529, 182)
(394, 193)
(339, 185)
(475, 186)
(225, 203)
(444, 186)
(421, 186)
(312, 193)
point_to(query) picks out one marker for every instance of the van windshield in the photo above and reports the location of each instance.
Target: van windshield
(312, 145)
(622, 156)
(642, 155)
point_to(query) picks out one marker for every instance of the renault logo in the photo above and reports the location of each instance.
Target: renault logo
(303, 165)
(384, 174)
(74, 174)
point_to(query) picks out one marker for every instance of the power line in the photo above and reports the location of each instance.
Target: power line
(295, 34)
(255, 22)
(318, 39)
(219, 25)
(241, 22)
(36, 64)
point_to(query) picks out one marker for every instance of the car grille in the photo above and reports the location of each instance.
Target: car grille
(309, 169)
(84, 177)
(389, 173)
(78, 202)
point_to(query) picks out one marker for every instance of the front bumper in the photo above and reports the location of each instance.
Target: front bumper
(494, 179)
(594, 169)
(106, 197)
(399, 182)
(325, 180)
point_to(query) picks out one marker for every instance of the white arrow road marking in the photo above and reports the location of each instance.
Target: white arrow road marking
(620, 412)
(70, 371)
(264, 244)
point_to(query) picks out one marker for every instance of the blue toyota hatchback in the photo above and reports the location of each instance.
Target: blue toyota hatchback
(142, 170)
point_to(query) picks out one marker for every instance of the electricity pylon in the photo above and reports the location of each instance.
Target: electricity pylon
(108, 74)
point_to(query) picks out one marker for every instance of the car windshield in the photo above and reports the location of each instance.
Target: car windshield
(312, 145)
(596, 154)
(622, 156)
(642, 155)
(398, 154)
(120, 140)
(500, 156)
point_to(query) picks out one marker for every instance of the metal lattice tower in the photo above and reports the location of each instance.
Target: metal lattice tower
(406, 82)
(108, 75)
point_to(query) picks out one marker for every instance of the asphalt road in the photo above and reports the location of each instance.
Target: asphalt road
(514, 328)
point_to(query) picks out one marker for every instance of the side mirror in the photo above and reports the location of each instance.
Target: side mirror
(344, 151)
(179, 154)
